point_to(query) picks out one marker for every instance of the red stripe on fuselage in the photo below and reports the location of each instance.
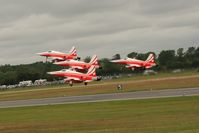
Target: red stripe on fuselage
(82, 77)
(63, 56)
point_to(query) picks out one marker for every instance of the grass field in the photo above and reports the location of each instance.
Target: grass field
(172, 115)
(138, 83)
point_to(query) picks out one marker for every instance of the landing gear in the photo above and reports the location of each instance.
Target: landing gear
(53, 61)
(85, 83)
(46, 59)
(139, 69)
(65, 58)
(99, 78)
(71, 83)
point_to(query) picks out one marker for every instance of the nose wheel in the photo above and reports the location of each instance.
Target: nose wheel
(71, 83)
(46, 59)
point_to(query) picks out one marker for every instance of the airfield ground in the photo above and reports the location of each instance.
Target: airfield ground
(174, 114)
(134, 83)
(179, 114)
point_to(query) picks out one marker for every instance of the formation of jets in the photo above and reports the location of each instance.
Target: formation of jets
(72, 60)
(73, 74)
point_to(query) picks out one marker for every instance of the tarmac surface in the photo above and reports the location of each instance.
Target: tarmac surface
(102, 97)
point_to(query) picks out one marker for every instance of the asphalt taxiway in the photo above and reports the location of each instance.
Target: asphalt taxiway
(102, 97)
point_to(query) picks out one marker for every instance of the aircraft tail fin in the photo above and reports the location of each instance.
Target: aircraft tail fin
(151, 58)
(73, 51)
(91, 71)
(94, 60)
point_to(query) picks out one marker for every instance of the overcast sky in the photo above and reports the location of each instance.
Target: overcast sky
(102, 27)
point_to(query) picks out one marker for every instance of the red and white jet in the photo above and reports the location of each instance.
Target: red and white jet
(75, 64)
(73, 76)
(59, 56)
(135, 63)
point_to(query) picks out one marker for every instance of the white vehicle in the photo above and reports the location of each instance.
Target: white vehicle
(25, 83)
(40, 82)
(2, 87)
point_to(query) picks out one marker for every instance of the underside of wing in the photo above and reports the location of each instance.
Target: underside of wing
(87, 81)
(71, 78)
(77, 67)
(56, 58)
(133, 65)
(148, 67)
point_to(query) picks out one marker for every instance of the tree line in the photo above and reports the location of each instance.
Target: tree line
(166, 60)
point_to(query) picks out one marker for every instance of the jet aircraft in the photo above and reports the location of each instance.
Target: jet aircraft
(72, 76)
(57, 56)
(80, 65)
(133, 63)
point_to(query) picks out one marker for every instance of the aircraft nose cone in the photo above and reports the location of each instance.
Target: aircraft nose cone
(115, 61)
(112, 61)
(51, 73)
(41, 54)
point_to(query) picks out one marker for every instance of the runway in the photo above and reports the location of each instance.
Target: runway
(102, 97)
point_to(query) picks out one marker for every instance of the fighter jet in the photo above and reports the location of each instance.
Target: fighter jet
(59, 56)
(72, 76)
(137, 64)
(80, 65)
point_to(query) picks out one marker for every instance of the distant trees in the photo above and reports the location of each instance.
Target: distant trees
(116, 57)
(132, 55)
(14, 74)
(167, 60)
(87, 59)
(171, 59)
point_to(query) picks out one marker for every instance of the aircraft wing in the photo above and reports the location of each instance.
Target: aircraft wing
(88, 81)
(77, 67)
(56, 58)
(133, 65)
(148, 67)
(72, 78)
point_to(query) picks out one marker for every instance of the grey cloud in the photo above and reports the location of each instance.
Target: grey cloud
(170, 7)
(104, 27)
(67, 8)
